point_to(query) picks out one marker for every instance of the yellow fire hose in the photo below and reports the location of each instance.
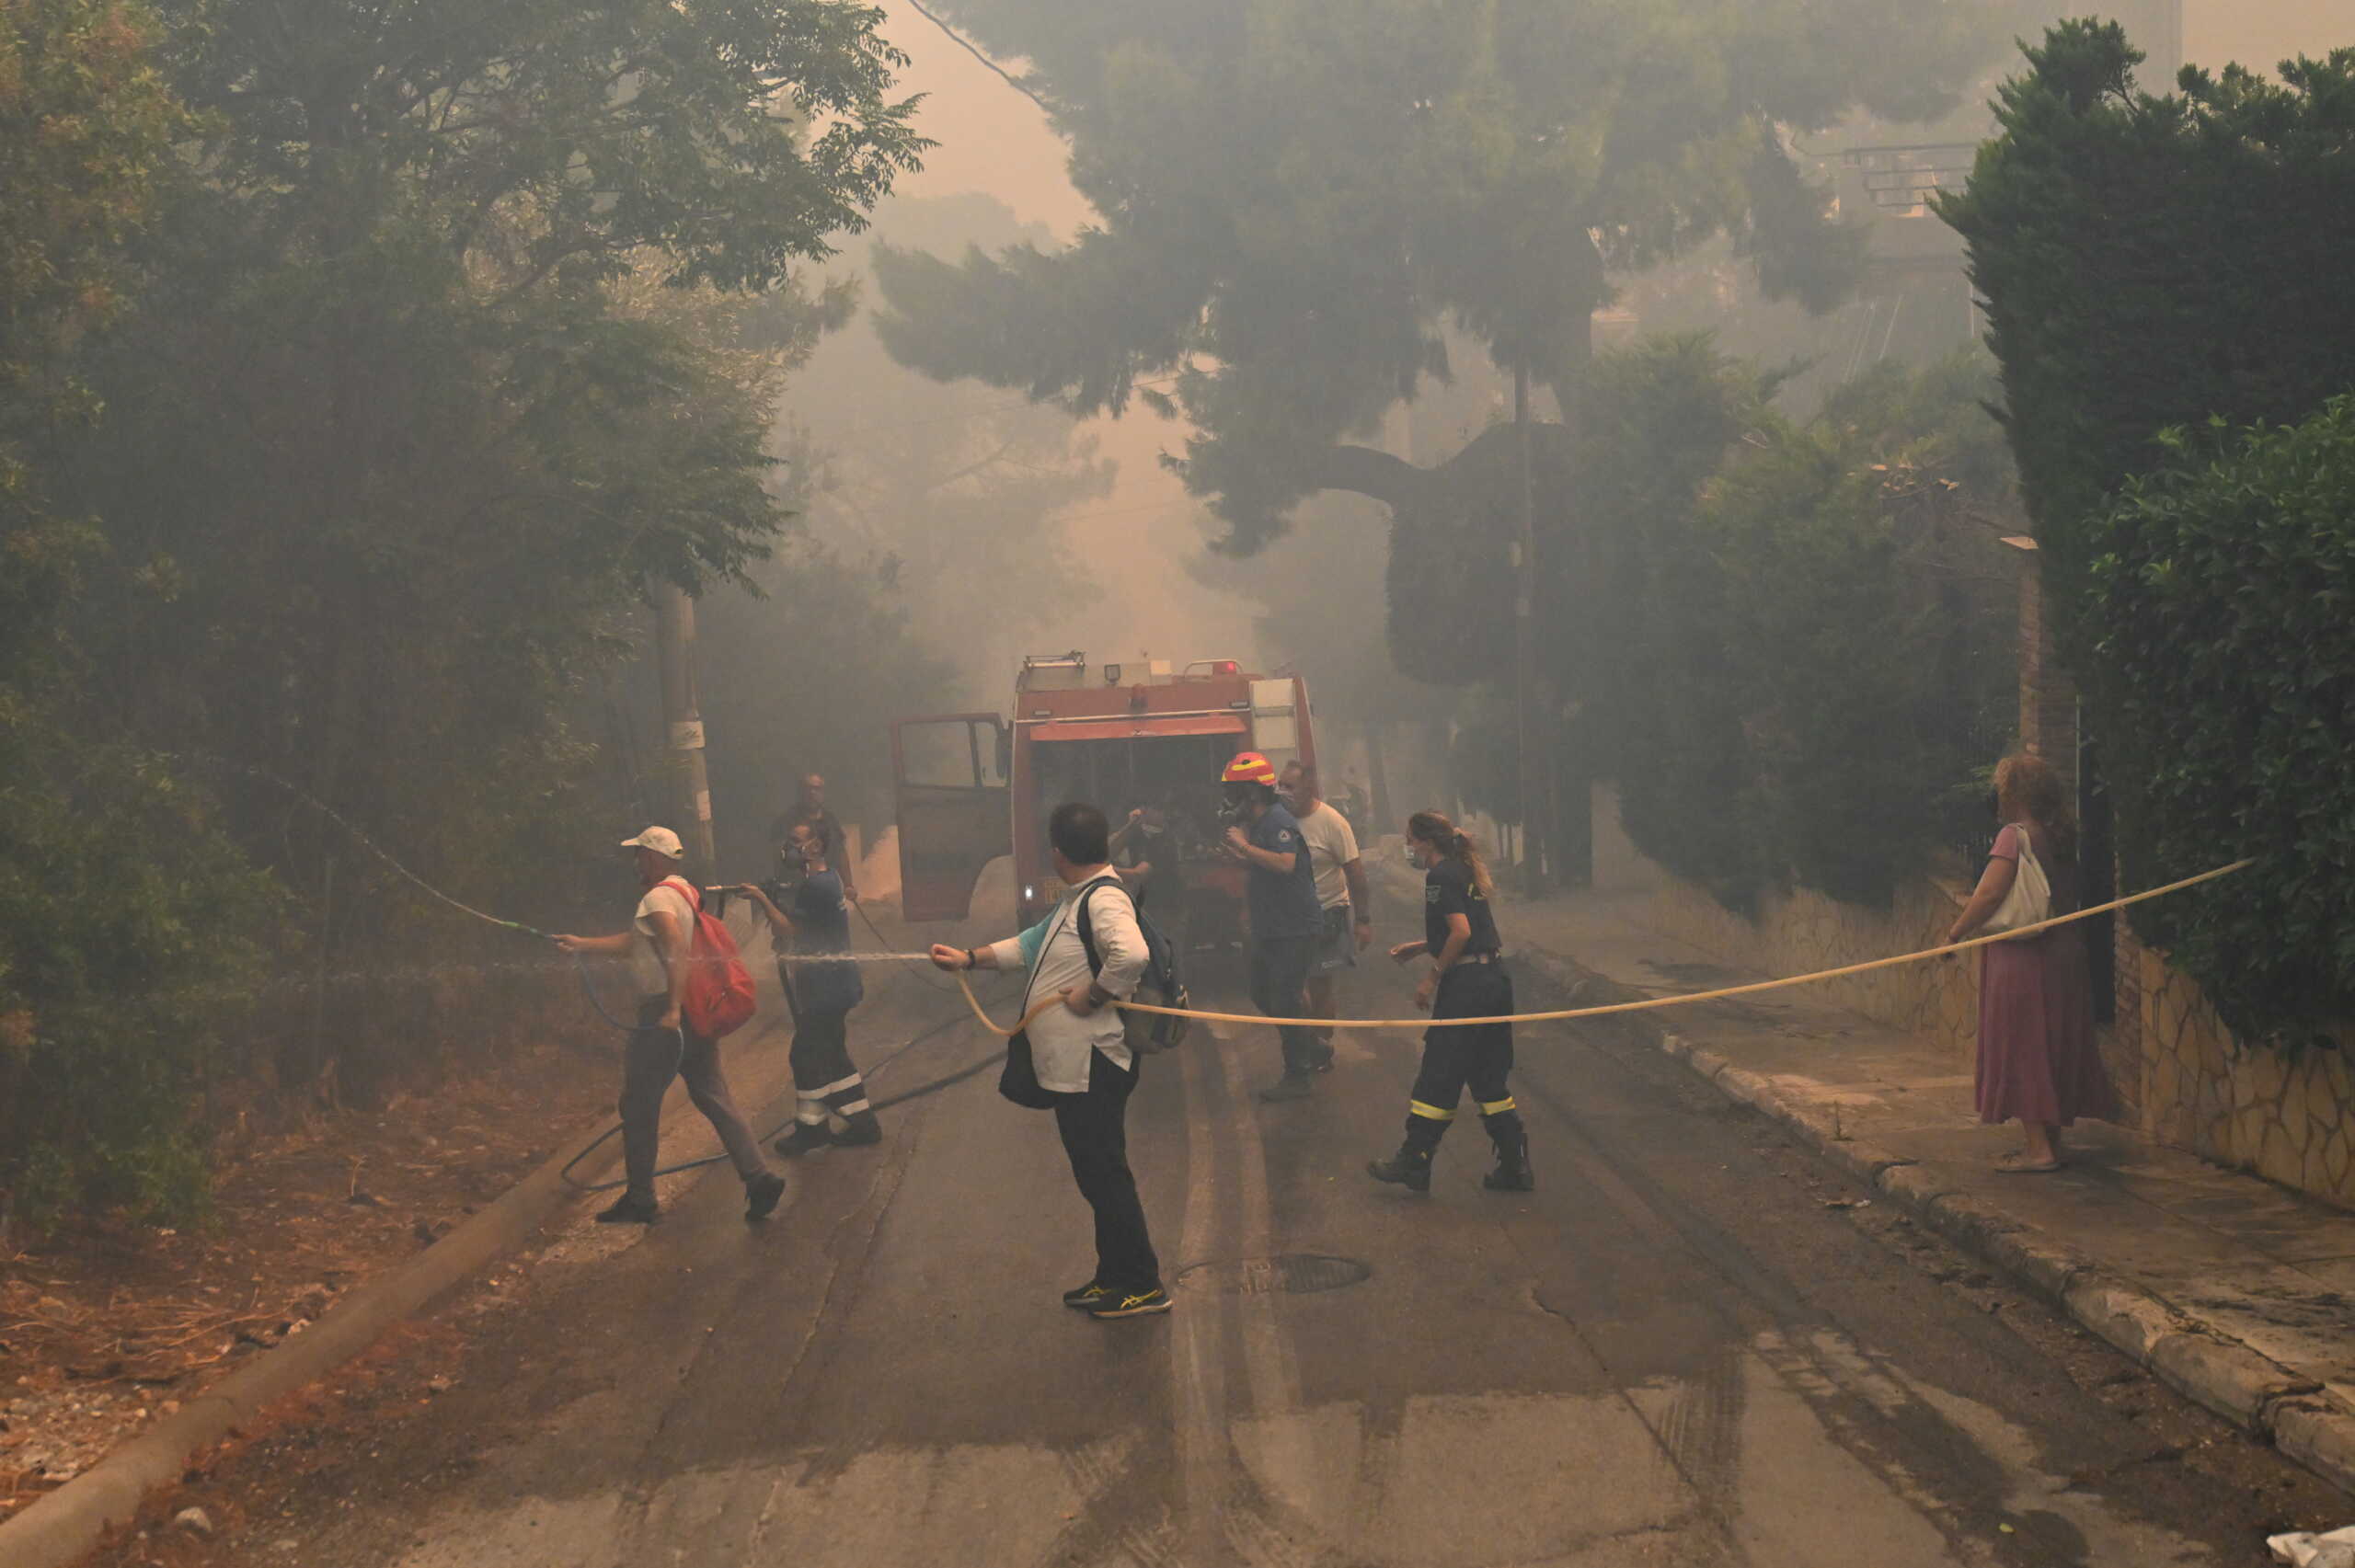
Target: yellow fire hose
(1752, 989)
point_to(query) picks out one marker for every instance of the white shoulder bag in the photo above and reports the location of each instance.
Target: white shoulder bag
(2031, 900)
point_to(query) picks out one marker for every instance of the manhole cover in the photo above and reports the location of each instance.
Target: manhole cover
(1293, 1273)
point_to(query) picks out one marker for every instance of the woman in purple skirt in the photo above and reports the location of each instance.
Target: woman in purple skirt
(2038, 1062)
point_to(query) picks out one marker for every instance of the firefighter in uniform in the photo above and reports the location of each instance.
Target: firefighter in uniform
(1468, 979)
(1286, 921)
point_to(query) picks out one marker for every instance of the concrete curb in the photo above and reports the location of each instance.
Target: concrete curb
(59, 1528)
(2257, 1394)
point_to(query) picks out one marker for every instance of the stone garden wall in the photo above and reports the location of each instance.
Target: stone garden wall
(2284, 1114)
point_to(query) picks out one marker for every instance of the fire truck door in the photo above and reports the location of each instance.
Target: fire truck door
(1279, 726)
(955, 814)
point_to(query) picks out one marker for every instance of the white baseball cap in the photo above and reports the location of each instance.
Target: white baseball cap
(662, 841)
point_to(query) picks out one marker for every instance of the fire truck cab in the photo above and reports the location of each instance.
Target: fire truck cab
(975, 786)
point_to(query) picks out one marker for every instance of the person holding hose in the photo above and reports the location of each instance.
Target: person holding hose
(2038, 1063)
(661, 938)
(1080, 1053)
(1467, 979)
(823, 989)
(1286, 921)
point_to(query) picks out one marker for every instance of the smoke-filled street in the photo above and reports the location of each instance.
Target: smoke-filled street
(1040, 784)
(1672, 1352)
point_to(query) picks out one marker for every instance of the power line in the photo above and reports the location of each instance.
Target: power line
(962, 42)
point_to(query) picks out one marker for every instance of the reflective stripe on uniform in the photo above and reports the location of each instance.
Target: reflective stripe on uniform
(854, 1107)
(1416, 1107)
(1496, 1107)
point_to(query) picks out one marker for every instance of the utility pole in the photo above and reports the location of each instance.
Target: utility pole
(674, 644)
(1534, 834)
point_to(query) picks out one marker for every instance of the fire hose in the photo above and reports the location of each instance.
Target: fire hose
(1645, 1005)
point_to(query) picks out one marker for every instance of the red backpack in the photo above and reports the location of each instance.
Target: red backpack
(720, 988)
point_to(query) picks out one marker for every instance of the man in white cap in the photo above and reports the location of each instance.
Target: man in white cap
(661, 1047)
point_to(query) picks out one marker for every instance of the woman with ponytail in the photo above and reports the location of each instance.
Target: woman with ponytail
(1468, 979)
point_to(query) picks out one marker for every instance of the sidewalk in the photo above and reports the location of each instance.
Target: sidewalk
(2238, 1293)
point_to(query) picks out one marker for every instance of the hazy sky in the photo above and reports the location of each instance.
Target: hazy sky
(2261, 33)
(994, 139)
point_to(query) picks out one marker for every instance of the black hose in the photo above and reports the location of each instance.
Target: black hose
(922, 1089)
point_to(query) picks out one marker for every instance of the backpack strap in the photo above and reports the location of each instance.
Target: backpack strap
(687, 890)
(1087, 927)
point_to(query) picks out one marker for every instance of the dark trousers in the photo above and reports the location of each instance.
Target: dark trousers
(1478, 1057)
(1279, 968)
(654, 1056)
(1095, 1129)
(823, 1077)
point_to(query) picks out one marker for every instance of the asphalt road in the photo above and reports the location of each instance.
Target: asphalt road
(1676, 1351)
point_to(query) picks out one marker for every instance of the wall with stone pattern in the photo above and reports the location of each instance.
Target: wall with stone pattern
(1803, 931)
(2282, 1114)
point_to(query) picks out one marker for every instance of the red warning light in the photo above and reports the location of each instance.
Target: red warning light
(1226, 667)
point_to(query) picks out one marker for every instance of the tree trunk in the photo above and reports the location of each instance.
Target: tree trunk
(1531, 727)
(674, 645)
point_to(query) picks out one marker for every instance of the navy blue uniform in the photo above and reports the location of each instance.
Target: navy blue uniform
(1478, 1057)
(824, 1078)
(1286, 924)
(1283, 903)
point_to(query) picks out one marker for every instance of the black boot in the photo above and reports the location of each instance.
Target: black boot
(1513, 1173)
(805, 1139)
(859, 1127)
(630, 1208)
(1409, 1168)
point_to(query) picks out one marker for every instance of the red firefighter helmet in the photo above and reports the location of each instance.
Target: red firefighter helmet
(1249, 767)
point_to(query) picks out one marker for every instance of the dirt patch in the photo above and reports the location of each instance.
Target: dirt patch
(108, 1326)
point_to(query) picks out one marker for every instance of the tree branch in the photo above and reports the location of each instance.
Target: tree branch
(1368, 471)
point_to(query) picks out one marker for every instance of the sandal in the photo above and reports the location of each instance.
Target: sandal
(2018, 1163)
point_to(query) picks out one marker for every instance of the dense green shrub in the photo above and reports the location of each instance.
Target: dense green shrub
(2153, 261)
(133, 931)
(358, 381)
(1656, 423)
(2224, 590)
(2156, 263)
(1821, 640)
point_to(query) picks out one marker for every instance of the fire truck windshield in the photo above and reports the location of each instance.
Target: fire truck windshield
(1178, 772)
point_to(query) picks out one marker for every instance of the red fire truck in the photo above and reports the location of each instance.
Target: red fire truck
(975, 787)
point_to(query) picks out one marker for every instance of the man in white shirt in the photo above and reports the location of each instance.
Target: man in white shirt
(1341, 892)
(1081, 1053)
(661, 938)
